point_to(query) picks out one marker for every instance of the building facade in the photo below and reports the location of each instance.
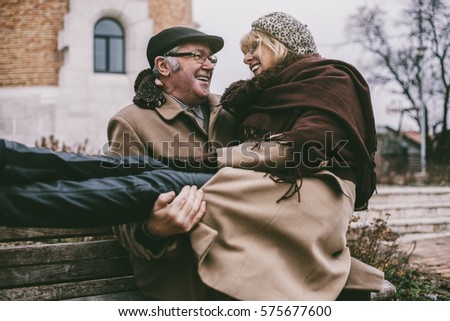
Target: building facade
(66, 66)
(398, 153)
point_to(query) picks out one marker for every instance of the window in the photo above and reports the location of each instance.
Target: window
(109, 46)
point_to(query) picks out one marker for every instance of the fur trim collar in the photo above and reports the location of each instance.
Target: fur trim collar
(148, 94)
(240, 94)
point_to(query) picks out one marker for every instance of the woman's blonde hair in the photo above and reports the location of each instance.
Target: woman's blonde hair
(255, 37)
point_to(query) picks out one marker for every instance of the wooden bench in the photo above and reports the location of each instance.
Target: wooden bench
(74, 264)
(64, 264)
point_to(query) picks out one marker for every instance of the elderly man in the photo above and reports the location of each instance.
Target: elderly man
(174, 114)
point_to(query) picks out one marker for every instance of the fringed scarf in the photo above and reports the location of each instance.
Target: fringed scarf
(305, 88)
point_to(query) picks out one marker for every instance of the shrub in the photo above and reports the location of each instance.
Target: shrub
(55, 145)
(377, 245)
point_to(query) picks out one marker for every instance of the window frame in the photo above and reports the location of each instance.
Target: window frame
(107, 39)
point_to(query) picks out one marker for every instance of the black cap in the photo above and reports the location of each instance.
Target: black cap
(169, 38)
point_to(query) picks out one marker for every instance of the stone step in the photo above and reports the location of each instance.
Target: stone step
(408, 210)
(420, 225)
(405, 194)
(408, 238)
(416, 225)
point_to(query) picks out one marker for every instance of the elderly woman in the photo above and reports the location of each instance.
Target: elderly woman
(288, 229)
(278, 234)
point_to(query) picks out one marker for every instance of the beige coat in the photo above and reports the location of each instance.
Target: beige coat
(137, 131)
(242, 248)
(167, 130)
(164, 131)
(252, 247)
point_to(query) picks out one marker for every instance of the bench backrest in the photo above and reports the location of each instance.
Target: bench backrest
(74, 264)
(64, 264)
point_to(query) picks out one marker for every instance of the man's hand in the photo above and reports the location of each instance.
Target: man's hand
(175, 215)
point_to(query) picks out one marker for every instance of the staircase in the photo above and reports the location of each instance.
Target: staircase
(416, 212)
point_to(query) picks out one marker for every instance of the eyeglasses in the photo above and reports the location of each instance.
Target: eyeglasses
(199, 57)
(253, 46)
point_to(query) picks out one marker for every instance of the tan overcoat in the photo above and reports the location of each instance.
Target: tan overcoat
(248, 246)
(167, 130)
(253, 247)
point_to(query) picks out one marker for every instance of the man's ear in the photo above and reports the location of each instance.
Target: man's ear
(162, 66)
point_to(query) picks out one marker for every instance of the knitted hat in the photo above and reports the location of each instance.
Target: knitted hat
(169, 38)
(288, 30)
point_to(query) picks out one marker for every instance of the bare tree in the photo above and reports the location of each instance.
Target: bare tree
(415, 62)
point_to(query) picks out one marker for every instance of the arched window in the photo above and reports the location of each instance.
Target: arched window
(109, 46)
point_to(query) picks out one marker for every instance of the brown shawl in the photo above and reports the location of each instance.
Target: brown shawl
(302, 99)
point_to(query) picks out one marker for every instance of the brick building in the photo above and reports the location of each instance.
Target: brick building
(66, 66)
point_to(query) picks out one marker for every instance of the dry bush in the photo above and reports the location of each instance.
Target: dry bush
(377, 245)
(55, 145)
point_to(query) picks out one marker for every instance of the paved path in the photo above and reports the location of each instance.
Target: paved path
(433, 253)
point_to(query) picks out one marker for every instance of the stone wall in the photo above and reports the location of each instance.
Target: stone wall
(28, 41)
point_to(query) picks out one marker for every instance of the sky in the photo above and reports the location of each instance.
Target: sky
(326, 19)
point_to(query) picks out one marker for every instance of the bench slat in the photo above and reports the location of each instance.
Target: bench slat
(21, 234)
(64, 272)
(123, 296)
(62, 252)
(73, 290)
(62, 264)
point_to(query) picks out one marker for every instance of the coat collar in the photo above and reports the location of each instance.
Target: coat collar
(149, 96)
(171, 108)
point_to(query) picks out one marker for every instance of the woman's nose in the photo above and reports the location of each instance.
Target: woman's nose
(248, 58)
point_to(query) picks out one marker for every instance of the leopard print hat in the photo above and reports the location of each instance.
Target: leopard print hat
(288, 30)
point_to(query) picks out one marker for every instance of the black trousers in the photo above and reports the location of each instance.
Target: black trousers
(41, 188)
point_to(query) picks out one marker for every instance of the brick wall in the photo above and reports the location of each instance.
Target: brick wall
(29, 36)
(28, 41)
(170, 13)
